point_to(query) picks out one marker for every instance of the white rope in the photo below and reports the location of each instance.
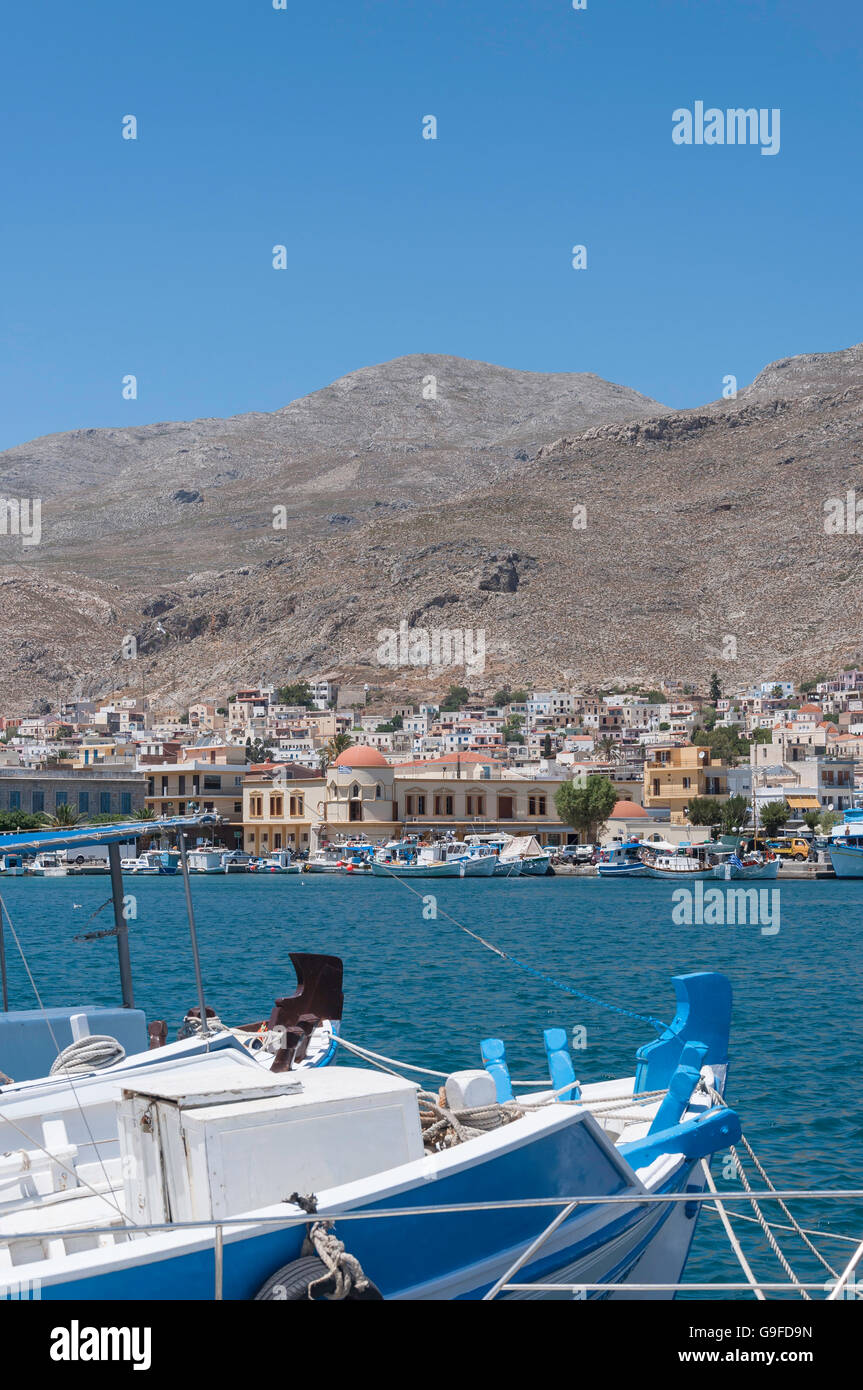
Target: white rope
(762, 1221)
(87, 1055)
(794, 1222)
(778, 1226)
(732, 1239)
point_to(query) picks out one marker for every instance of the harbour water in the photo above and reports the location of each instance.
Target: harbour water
(419, 989)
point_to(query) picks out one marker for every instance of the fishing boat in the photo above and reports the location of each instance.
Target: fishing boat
(442, 859)
(736, 864)
(215, 1175)
(528, 853)
(48, 865)
(280, 861)
(683, 862)
(496, 843)
(622, 861)
(205, 859)
(846, 845)
(327, 860)
(12, 865)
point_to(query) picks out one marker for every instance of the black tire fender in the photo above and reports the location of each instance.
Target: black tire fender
(290, 1284)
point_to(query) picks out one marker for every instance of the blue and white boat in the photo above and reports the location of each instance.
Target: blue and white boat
(846, 846)
(622, 861)
(199, 1174)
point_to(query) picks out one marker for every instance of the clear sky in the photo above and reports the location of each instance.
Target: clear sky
(303, 127)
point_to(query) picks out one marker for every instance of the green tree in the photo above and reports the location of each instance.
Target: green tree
(297, 694)
(704, 810)
(829, 819)
(773, 816)
(812, 819)
(511, 729)
(456, 698)
(732, 813)
(258, 751)
(546, 746)
(11, 821)
(715, 688)
(586, 808)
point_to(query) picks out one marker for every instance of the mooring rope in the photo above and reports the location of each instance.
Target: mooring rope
(656, 1023)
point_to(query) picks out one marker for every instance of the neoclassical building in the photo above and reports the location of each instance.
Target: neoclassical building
(364, 795)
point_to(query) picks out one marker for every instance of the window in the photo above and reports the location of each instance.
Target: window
(38, 800)
(355, 792)
(536, 805)
(421, 805)
(62, 798)
(83, 802)
(277, 804)
(104, 803)
(238, 808)
(379, 791)
(181, 809)
(409, 805)
(504, 808)
(256, 805)
(151, 788)
(686, 784)
(297, 805)
(164, 786)
(125, 802)
(212, 782)
(14, 801)
(182, 787)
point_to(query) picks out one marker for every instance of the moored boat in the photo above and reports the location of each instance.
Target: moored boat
(622, 861)
(846, 845)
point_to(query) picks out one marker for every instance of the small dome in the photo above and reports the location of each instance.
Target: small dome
(627, 810)
(361, 756)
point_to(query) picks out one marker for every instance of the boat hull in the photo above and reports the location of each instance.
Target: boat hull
(847, 862)
(621, 871)
(746, 871)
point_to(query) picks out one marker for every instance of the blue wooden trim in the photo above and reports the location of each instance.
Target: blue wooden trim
(560, 1067)
(494, 1060)
(703, 1015)
(694, 1138)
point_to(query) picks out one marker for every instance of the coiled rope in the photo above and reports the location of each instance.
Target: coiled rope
(88, 1054)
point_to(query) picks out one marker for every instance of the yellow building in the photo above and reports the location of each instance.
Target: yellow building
(674, 776)
(212, 781)
(282, 804)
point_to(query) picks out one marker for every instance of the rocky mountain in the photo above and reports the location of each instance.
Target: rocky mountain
(587, 532)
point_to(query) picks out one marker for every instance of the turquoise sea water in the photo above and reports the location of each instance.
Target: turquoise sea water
(423, 991)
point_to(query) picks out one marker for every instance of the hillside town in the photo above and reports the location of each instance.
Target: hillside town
(295, 767)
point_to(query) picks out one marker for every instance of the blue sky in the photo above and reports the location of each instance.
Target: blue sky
(303, 127)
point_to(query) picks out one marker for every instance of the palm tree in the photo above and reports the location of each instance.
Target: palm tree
(338, 744)
(64, 815)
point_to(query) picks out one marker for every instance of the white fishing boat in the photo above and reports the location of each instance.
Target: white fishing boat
(203, 1154)
(49, 864)
(280, 861)
(511, 868)
(684, 862)
(12, 865)
(205, 859)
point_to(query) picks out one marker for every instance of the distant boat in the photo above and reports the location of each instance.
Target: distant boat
(686, 861)
(155, 861)
(622, 861)
(206, 859)
(281, 861)
(49, 864)
(235, 861)
(12, 864)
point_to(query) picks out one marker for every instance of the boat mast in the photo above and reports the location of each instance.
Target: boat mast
(181, 845)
